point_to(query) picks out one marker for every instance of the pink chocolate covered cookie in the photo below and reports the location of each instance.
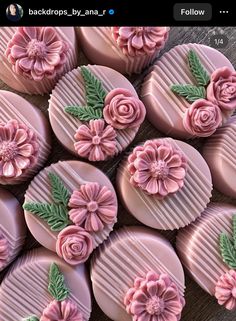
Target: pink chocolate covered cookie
(125, 49)
(95, 112)
(12, 228)
(164, 183)
(24, 139)
(190, 91)
(41, 287)
(136, 275)
(70, 208)
(207, 249)
(32, 59)
(219, 152)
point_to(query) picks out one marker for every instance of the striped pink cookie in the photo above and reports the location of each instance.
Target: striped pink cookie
(12, 228)
(25, 290)
(165, 109)
(200, 252)
(176, 209)
(129, 256)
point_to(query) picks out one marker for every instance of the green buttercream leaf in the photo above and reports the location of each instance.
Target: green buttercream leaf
(56, 286)
(197, 69)
(95, 93)
(56, 215)
(228, 251)
(234, 230)
(60, 193)
(31, 318)
(189, 92)
(84, 113)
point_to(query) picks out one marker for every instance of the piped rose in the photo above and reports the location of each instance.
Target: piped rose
(222, 89)
(123, 110)
(74, 245)
(202, 118)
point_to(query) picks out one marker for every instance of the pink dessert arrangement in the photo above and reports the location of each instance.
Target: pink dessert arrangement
(70, 208)
(164, 183)
(34, 58)
(12, 228)
(207, 249)
(95, 112)
(190, 92)
(41, 287)
(219, 152)
(136, 275)
(126, 49)
(24, 139)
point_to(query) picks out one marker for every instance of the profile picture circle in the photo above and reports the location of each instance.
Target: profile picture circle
(14, 12)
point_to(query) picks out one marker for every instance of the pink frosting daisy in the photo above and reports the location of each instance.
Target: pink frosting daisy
(37, 52)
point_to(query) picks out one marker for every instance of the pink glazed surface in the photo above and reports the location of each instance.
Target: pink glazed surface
(219, 152)
(29, 86)
(198, 245)
(13, 106)
(165, 110)
(24, 290)
(130, 252)
(73, 174)
(175, 210)
(12, 224)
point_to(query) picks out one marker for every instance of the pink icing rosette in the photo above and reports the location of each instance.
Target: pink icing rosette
(74, 245)
(139, 41)
(4, 251)
(157, 167)
(18, 149)
(225, 290)
(154, 297)
(65, 310)
(202, 118)
(222, 89)
(95, 141)
(37, 52)
(123, 110)
(92, 207)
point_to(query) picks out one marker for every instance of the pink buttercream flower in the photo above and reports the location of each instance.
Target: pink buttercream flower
(4, 251)
(225, 290)
(95, 141)
(18, 149)
(123, 110)
(202, 118)
(222, 89)
(138, 41)
(93, 206)
(154, 297)
(74, 245)
(65, 310)
(37, 52)
(157, 167)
